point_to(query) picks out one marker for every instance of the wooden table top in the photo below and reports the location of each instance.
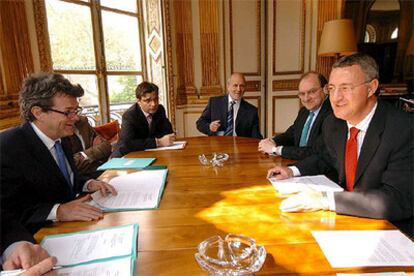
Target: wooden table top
(202, 201)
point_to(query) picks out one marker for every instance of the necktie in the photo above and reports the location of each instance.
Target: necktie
(229, 128)
(149, 119)
(305, 131)
(351, 158)
(62, 161)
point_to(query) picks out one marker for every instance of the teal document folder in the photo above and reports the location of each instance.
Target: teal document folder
(126, 164)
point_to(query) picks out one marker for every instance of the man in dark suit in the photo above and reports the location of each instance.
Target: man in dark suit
(368, 143)
(39, 181)
(301, 139)
(90, 150)
(144, 124)
(230, 115)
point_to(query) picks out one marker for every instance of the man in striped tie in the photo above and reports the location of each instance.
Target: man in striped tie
(369, 144)
(230, 115)
(303, 137)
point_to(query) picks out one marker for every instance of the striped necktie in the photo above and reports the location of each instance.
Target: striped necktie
(230, 123)
(305, 131)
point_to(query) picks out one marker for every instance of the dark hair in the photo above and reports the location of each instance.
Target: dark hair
(40, 89)
(366, 62)
(322, 80)
(145, 87)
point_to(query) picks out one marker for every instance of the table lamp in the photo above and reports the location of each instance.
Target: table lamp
(337, 39)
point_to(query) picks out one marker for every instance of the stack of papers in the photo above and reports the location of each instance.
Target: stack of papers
(136, 191)
(126, 164)
(175, 146)
(297, 184)
(109, 251)
(366, 248)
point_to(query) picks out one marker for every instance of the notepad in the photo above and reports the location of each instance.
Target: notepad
(297, 184)
(126, 164)
(100, 251)
(175, 146)
(136, 191)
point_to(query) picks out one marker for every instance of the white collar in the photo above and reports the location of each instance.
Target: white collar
(49, 143)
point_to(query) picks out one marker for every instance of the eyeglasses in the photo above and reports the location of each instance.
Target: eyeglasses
(344, 89)
(69, 114)
(310, 92)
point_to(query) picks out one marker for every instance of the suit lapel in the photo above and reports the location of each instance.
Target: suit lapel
(224, 106)
(240, 113)
(371, 141)
(302, 119)
(339, 138)
(318, 119)
(142, 120)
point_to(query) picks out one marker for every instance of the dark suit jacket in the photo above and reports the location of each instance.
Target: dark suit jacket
(136, 134)
(247, 121)
(97, 155)
(12, 231)
(291, 138)
(384, 177)
(31, 181)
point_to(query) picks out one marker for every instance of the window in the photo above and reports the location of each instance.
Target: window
(370, 34)
(394, 34)
(98, 45)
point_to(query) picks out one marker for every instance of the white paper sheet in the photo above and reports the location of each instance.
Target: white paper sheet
(115, 267)
(366, 248)
(84, 247)
(175, 146)
(139, 190)
(296, 184)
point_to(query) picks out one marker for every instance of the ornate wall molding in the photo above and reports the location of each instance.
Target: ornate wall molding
(285, 85)
(253, 86)
(42, 33)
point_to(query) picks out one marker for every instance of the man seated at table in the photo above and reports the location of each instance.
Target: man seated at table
(369, 143)
(230, 115)
(301, 138)
(19, 251)
(144, 124)
(39, 181)
(90, 150)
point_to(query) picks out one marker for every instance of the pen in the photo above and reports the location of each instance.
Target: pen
(16, 272)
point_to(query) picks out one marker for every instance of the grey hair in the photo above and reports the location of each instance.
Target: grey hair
(366, 62)
(39, 90)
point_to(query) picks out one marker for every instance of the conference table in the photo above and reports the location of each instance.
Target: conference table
(202, 201)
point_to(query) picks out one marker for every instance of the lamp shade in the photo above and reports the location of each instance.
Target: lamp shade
(338, 38)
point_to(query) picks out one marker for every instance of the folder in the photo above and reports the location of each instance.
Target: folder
(126, 164)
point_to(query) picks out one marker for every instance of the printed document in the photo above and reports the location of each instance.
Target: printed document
(122, 266)
(297, 184)
(366, 248)
(139, 190)
(175, 146)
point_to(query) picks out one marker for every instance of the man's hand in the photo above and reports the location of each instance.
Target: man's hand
(266, 145)
(97, 140)
(166, 140)
(25, 255)
(279, 173)
(306, 201)
(41, 268)
(214, 125)
(105, 188)
(78, 209)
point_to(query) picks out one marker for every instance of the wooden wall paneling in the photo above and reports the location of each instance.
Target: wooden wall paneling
(283, 85)
(210, 48)
(184, 51)
(245, 19)
(327, 10)
(283, 118)
(42, 34)
(17, 60)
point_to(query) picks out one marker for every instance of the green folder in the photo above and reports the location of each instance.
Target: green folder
(126, 164)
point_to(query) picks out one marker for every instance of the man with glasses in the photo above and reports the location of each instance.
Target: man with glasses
(302, 138)
(144, 124)
(39, 181)
(369, 143)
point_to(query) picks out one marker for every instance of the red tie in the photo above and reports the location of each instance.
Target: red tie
(351, 159)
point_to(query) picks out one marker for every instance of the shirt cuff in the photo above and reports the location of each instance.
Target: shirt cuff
(331, 200)
(85, 186)
(10, 249)
(295, 170)
(53, 213)
(85, 157)
(278, 150)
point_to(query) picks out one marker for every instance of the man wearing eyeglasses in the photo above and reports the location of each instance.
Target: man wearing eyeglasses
(302, 138)
(39, 181)
(145, 124)
(369, 143)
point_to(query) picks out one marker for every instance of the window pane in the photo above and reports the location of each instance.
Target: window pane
(126, 5)
(71, 37)
(121, 94)
(89, 101)
(122, 46)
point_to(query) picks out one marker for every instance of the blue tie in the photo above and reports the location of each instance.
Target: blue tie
(305, 131)
(229, 128)
(62, 162)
